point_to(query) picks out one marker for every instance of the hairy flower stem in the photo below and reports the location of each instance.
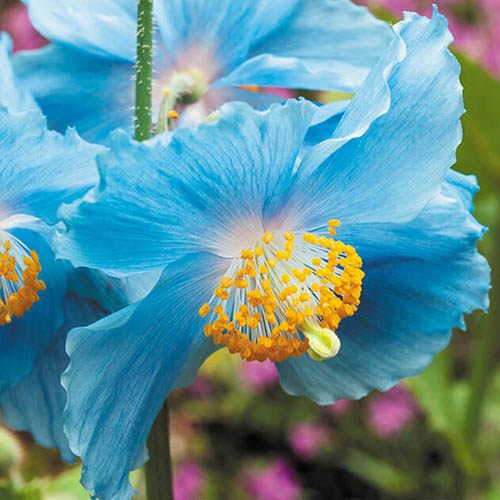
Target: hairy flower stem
(486, 347)
(159, 467)
(144, 70)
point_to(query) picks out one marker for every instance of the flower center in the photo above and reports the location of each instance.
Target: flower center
(286, 296)
(19, 283)
(184, 87)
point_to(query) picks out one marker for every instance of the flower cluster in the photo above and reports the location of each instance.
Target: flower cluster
(334, 241)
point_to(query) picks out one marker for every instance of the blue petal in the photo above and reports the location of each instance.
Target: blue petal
(323, 45)
(93, 94)
(37, 402)
(11, 95)
(217, 32)
(123, 367)
(396, 141)
(112, 293)
(103, 27)
(462, 187)
(24, 339)
(420, 278)
(325, 120)
(42, 169)
(158, 202)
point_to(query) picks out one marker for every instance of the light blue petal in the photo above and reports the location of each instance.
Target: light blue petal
(396, 141)
(216, 35)
(123, 367)
(41, 169)
(323, 45)
(158, 202)
(11, 95)
(116, 293)
(420, 278)
(93, 94)
(24, 339)
(103, 27)
(325, 120)
(37, 402)
(462, 187)
(325, 112)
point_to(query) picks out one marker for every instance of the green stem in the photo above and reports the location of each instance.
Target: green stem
(487, 343)
(159, 467)
(144, 70)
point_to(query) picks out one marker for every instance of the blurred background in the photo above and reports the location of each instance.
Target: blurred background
(237, 436)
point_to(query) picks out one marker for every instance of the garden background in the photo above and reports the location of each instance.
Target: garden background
(237, 436)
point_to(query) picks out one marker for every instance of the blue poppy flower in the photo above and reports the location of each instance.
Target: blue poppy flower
(39, 170)
(85, 78)
(245, 227)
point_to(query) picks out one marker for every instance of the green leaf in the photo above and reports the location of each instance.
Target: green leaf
(65, 486)
(381, 474)
(479, 152)
(11, 452)
(444, 401)
(9, 491)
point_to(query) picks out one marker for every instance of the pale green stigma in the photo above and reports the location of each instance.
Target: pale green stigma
(184, 87)
(323, 343)
(212, 117)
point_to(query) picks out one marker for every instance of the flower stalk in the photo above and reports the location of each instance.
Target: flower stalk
(159, 467)
(144, 70)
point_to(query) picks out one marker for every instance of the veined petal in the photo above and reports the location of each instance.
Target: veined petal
(11, 95)
(36, 403)
(102, 27)
(396, 141)
(24, 339)
(217, 32)
(123, 367)
(325, 120)
(41, 169)
(158, 202)
(421, 277)
(73, 88)
(322, 45)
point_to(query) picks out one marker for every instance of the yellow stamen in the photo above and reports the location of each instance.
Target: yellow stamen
(204, 310)
(173, 114)
(250, 88)
(16, 303)
(268, 238)
(286, 314)
(332, 225)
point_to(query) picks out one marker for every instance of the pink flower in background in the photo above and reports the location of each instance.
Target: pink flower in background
(341, 407)
(16, 22)
(390, 412)
(201, 388)
(282, 92)
(308, 438)
(258, 376)
(188, 482)
(475, 25)
(276, 482)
